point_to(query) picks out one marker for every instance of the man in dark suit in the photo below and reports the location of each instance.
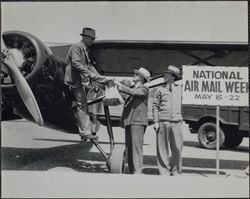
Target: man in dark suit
(135, 117)
(79, 72)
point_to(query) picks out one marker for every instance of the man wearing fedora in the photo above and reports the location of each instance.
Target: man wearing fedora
(168, 123)
(135, 117)
(79, 72)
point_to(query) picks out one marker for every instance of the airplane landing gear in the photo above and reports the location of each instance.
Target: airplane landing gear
(116, 159)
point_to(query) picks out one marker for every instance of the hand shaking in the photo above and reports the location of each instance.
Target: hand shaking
(117, 83)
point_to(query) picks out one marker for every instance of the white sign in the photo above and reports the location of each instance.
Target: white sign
(215, 85)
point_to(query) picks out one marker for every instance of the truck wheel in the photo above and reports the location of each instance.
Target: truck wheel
(232, 139)
(207, 135)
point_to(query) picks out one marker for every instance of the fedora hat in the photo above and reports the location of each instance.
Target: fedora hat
(144, 73)
(173, 70)
(88, 32)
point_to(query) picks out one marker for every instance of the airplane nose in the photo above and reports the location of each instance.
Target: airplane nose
(21, 84)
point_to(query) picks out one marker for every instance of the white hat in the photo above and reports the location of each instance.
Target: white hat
(144, 73)
(173, 70)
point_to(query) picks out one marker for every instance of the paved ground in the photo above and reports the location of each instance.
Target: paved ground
(42, 162)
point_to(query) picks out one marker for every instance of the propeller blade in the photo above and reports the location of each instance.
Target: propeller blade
(4, 55)
(22, 86)
(10, 58)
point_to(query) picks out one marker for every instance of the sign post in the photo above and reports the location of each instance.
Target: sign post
(217, 140)
(215, 86)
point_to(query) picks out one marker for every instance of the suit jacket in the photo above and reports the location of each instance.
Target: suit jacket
(78, 66)
(167, 104)
(135, 111)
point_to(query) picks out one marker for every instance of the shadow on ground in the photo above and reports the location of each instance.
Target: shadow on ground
(243, 149)
(74, 156)
(79, 158)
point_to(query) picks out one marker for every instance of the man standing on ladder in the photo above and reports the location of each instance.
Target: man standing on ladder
(79, 72)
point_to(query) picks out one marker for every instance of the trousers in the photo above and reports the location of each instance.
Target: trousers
(83, 117)
(87, 119)
(134, 135)
(169, 139)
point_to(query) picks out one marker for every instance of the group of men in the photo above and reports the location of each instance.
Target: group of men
(166, 108)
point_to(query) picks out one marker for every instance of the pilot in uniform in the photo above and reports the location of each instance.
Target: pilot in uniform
(135, 117)
(168, 123)
(79, 72)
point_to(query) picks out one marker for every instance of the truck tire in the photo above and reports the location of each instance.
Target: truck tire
(232, 139)
(207, 135)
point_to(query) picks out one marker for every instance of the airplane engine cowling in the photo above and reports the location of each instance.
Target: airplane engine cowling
(30, 55)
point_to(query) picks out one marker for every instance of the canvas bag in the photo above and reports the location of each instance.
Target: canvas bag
(112, 96)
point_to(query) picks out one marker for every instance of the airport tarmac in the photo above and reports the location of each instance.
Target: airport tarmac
(42, 162)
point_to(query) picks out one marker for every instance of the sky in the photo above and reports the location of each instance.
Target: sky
(182, 21)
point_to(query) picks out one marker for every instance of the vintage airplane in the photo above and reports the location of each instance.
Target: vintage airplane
(32, 74)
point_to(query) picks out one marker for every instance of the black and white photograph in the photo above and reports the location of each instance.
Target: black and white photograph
(122, 99)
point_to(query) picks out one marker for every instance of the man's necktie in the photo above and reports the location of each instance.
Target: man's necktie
(170, 88)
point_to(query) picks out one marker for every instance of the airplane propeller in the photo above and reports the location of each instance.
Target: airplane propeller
(21, 84)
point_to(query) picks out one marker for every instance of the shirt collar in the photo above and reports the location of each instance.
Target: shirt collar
(84, 45)
(167, 85)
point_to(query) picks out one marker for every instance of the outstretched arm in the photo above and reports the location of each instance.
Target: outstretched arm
(139, 91)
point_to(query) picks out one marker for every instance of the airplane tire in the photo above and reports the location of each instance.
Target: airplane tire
(117, 160)
(207, 135)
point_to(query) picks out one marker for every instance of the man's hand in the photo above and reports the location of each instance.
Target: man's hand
(92, 75)
(117, 83)
(156, 126)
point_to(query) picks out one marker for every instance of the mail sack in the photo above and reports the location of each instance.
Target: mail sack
(112, 96)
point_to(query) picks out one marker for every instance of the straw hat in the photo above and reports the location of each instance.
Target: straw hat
(144, 73)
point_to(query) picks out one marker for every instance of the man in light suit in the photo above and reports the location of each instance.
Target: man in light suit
(79, 73)
(135, 117)
(168, 123)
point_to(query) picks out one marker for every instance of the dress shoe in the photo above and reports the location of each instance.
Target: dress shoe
(86, 137)
(175, 173)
